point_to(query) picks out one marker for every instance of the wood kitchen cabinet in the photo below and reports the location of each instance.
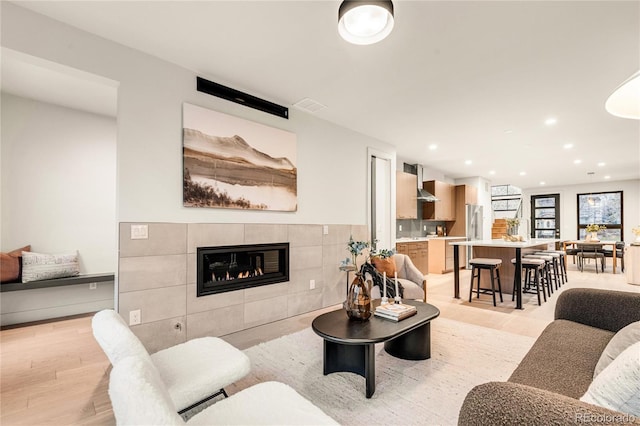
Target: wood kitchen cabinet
(443, 209)
(465, 194)
(418, 251)
(406, 196)
(441, 255)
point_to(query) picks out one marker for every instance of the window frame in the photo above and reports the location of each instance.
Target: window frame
(607, 225)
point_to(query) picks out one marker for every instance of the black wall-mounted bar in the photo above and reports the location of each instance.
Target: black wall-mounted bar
(233, 95)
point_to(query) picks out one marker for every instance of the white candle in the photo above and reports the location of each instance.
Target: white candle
(384, 283)
(395, 275)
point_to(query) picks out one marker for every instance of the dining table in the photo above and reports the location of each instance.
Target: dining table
(592, 243)
(507, 247)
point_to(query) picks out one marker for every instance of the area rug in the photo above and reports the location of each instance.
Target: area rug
(427, 392)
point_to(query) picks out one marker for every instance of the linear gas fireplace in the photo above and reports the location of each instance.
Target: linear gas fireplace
(229, 268)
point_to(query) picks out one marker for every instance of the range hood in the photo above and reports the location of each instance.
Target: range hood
(424, 195)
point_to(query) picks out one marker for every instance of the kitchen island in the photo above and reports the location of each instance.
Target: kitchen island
(504, 250)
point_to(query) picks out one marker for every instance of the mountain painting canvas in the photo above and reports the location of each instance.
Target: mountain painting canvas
(234, 163)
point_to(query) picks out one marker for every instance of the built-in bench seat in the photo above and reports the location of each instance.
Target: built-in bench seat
(55, 298)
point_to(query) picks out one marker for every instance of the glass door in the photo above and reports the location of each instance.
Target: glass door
(545, 216)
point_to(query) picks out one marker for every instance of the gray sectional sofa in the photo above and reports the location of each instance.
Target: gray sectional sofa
(546, 387)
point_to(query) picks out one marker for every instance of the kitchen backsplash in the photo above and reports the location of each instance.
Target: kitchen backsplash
(409, 228)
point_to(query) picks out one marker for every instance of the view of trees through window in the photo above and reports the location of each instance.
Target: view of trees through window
(601, 208)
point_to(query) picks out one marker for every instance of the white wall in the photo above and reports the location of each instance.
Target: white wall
(332, 161)
(569, 209)
(58, 182)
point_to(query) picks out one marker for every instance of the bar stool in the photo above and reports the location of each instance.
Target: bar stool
(563, 263)
(549, 277)
(493, 266)
(531, 266)
(556, 266)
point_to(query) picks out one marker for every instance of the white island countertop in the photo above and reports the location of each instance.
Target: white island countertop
(506, 244)
(419, 239)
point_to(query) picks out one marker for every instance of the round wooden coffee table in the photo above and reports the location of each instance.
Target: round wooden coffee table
(350, 345)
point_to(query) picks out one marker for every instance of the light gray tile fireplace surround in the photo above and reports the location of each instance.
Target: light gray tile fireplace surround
(158, 276)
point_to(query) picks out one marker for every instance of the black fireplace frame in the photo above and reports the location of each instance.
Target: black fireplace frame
(239, 284)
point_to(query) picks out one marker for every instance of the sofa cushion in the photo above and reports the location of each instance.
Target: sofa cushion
(617, 387)
(563, 358)
(621, 341)
(193, 370)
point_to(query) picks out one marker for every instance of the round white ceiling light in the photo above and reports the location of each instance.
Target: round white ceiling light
(365, 22)
(625, 100)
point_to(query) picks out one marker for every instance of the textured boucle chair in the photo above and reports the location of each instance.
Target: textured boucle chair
(558, 370)
(139, 397)
(192, 372)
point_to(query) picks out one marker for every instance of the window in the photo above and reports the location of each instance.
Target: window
(601, 208)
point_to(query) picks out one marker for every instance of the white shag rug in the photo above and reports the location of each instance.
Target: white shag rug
(428, 392)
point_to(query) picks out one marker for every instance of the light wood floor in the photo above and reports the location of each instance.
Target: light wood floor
(56, 374)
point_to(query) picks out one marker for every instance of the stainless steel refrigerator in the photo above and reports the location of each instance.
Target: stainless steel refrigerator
(474, 225)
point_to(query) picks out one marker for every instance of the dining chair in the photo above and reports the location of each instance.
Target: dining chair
(620, 248)
(586, 251)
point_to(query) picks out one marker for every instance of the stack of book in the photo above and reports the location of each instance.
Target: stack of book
(395, 312)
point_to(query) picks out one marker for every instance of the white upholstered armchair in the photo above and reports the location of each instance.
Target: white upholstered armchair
(412, 280)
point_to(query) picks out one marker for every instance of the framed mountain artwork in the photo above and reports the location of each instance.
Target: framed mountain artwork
(233, 163)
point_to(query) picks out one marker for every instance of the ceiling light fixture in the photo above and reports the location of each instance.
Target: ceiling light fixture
(365, 22)
(567, 146)
(625, 100)
(577, 161)
(467, 162)
(602, 164)
(433, 147)
(550, 121)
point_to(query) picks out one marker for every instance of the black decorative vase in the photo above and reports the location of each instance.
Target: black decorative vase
(358, 303)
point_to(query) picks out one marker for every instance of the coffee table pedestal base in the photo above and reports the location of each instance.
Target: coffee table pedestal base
(414, 345)
(358, 359)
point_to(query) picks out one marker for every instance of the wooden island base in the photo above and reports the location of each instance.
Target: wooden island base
(507, 270)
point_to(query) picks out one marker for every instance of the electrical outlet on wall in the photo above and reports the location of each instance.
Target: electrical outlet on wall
(424, 227)
(93, 286)
(312, 284)
(399, 227)
(139, 232)
(134, 317)
(325, 230)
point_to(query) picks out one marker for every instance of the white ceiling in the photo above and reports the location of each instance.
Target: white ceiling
(35, 78)
(476, 78)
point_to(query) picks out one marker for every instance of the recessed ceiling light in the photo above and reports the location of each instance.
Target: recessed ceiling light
(567, 146)
(577, 161)
(542, 183)
(492, 172)
(607, 177)
(523, 173)
(467, 162)
(550, 121)
(433, 147)
(602, 164)
(508, 131)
